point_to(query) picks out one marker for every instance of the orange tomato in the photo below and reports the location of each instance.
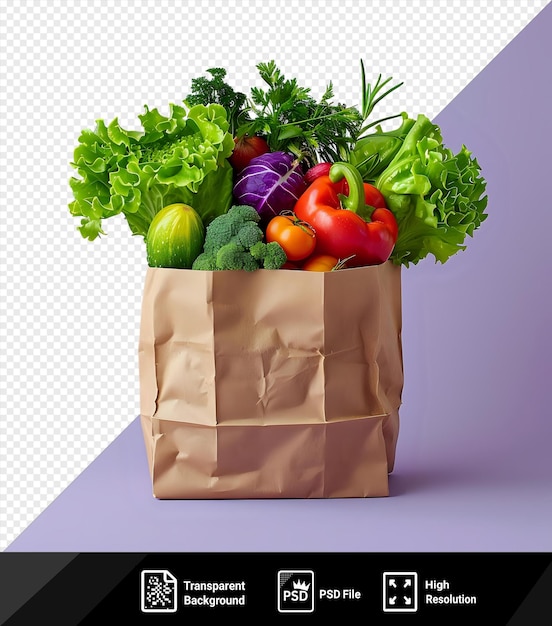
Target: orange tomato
(320, 263)
(297, 238)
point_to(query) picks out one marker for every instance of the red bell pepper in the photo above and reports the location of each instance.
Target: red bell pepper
(337, 206)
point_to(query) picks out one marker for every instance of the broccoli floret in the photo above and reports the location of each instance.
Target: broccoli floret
(205, 261)
(275, 256)
(219, 233)
(235, 257)
(225, 227)
(248, 235)
(258, 251)
(245, 212)
(271, 256)
(234, 241)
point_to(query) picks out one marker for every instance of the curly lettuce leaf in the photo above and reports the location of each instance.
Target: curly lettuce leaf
(177, 158)
(436, 195)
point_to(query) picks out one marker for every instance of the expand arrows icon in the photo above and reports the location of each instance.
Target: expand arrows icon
(400, 591)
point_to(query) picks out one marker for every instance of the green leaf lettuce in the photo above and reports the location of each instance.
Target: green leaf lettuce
(436, 195)
(179, 158)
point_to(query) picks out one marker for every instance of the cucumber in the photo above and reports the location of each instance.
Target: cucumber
(175, 237)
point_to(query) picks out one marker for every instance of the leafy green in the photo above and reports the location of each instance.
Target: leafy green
(216, 90)
(373, 152)
(436, 195)
(288, 117)
(179, 158)
(291, 120)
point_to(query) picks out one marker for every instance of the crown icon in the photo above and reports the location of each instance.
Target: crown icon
(299, 584)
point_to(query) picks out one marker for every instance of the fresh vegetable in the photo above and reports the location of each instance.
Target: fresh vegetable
(297, 238)
(292, 120)
(175, 237)
(369, 194)
(271, 183)
(320, 169)
(321, 263)
(181, 158)
(245, 149)
(435, 195)
(339, 220)
(270, 256)
(214, 89)
(234, 241)
(374, 152)
(289, 117)
(373, 197)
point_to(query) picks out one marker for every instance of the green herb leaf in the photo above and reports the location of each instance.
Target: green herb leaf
(291, 120)
(216, 90)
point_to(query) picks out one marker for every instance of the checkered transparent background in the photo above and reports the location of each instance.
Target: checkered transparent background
(71, 308)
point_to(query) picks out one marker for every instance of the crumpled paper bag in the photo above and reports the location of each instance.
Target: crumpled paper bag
(272, 383)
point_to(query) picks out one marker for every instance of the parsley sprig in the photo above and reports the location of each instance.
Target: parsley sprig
(291, 120)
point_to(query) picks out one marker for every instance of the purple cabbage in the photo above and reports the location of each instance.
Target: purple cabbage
(271, 183)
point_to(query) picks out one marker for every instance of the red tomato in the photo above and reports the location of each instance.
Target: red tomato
(245, 149)
(320, 263)
(296, 238)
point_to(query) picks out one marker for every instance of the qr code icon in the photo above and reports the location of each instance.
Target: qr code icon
(158, 591)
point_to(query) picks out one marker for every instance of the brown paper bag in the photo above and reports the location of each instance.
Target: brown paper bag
(271, 384)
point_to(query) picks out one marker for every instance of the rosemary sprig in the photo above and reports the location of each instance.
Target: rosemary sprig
(371, 96)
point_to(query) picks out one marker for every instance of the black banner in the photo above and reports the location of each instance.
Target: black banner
(384, 588)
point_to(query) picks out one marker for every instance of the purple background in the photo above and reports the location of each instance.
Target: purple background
(474, 462)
